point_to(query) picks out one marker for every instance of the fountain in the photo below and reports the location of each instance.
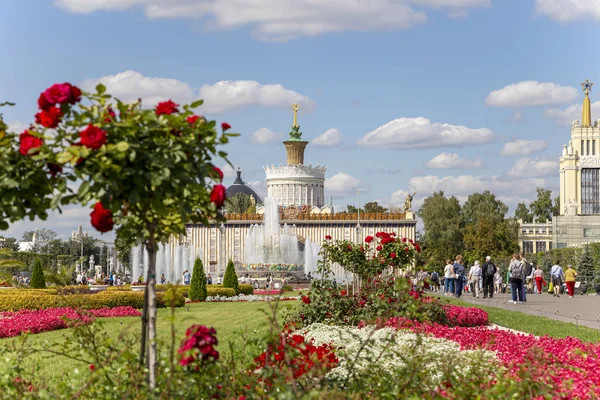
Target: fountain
(270, 247)
(171, 261)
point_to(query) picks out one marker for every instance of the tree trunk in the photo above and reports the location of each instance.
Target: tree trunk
(151, 307)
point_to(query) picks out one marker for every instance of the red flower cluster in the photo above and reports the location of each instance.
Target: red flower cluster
(305, 355)
(57, 94)
(166, 108)
(35, 321)
(193, 119)
(28, 142)
(218, 195)
(198, 345)
(306, 299)
(49, 118)
(465, 316)
(327, 237)
(92, 137)
(102, 218)
(369, 239)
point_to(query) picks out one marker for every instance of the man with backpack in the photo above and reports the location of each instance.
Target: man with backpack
(435, 281)
(488, 270)
(517, 273)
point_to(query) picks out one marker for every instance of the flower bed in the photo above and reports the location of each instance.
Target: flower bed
(242, 297)
(35, 321)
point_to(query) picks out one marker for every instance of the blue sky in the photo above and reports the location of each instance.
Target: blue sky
(406, 84)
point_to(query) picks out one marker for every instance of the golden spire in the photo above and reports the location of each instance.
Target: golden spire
(586, 114)
(295, 107)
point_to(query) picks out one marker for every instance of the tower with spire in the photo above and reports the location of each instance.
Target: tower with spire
(296, 183)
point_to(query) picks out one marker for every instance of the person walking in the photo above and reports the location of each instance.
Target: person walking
(538, 275)
(570, 275)
(474, 275)
(448, 278)
(515, 269)
(557, 275)
(459, 273)
(435, 281)
(488, 271)
(524, 264)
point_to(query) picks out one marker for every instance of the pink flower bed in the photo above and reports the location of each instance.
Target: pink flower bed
(267, 292)
(465, 316)
(569, 364)
(35, 321)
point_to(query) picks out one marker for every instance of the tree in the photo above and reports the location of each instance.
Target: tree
(9, 243)
(239, 204)
(522, 212)
(230, 279)
(542, 207)
(43, 235)
(123, 249)
(198, 284)
(556, 206)
(442, 237)
(353, 210)
(483, 206)
(585, 269)
(38, 281)
(149, 171)
(374, 207)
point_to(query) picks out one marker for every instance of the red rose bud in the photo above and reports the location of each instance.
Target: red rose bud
(111, 115)
(369, 239)
(102, 218)
(54, 169)
(50, 118)
(306, 299)
(92, 367)
(193, 119)
(393, 255)
(379, 248)
(225, 126)
(349, 247)
(92, 137)
(166, 108)
(404, 240)
(327, 237)
(218, 195)
(219, 173)
(28, 142)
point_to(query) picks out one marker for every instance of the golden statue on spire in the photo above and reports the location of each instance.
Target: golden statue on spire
(586, 113)
(295, 107)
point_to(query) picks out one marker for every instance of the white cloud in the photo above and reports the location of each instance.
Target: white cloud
(259, 186)
(218, 97)
(453, 161)
(277, 20)
(411, 133)
(530, 168)
(264, 135)
(330, 138)
(531, 93)
(17, 126)
(522, 147)
(228, 171)
(569, 10)
(342, 184)
(566, 116)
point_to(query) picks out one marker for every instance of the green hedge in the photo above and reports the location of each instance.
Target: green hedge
(220, 291)
(19, 301)
(246, 289)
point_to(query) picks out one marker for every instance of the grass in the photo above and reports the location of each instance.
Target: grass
(533, 324)
(231, 320)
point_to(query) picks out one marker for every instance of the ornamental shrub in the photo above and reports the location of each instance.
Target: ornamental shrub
(230, 279)
(220, 291)
(173, 297)
(198, 284)
(38, 281)
(245, 289)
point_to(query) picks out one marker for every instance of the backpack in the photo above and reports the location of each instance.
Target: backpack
(529, 269)
(517, 271)
(435, 276)
(490, 269)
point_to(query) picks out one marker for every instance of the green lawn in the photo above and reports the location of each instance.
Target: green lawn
(230, 320)
(533, 324)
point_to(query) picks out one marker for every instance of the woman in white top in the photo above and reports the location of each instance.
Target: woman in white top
(498, 282)
(449, 278)
(474, 275)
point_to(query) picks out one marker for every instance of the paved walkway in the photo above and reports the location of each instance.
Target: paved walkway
(585, 307)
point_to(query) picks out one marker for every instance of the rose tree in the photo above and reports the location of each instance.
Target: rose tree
(148, 171)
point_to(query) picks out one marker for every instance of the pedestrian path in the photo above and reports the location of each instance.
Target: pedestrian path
(581, 309)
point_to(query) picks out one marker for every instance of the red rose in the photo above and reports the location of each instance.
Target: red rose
(28, 142)
(43, 104)
(343, 293)
(193, 119)
(369, 239)
(54, 169)
(75, 94)
(50, 117)
(58, 93)
(111, 115)
(379, 248)
(417, 247)
(218, 195)
(219, 172)
(225, 126)
(92, 367)
(102, 218)
(404, 240)
(327, 237)
(306, 299)
(406, 249)
(393, 255)
(166, 107)
(92, 137)
(349, 247)
(393, 234)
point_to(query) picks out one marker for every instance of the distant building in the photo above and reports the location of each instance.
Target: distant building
(535, 237)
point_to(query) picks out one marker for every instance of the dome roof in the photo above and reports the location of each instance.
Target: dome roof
(239, 186)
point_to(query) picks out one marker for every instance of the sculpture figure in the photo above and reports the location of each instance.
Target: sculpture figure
(408, 202)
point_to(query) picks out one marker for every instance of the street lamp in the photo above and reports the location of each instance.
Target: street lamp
(78, 237)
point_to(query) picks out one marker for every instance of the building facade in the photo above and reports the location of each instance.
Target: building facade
(535, 237)
(579, 219)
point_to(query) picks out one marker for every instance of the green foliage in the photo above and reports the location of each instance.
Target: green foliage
(9, 243)
(374, 207)
(198, 283)
(218, 290)
(42, 235)
(173, 297)
(63, 276)
(239, 204)
(585, 268)
(246, 289)
(38, 281)
(230, 279)
(542, 207)
(123, 249)
(442, 222)
(522, 212)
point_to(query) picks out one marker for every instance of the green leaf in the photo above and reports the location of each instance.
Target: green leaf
(84, 189)
(122, 146)
(100, 88)
(196, 103)
(64, 157)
